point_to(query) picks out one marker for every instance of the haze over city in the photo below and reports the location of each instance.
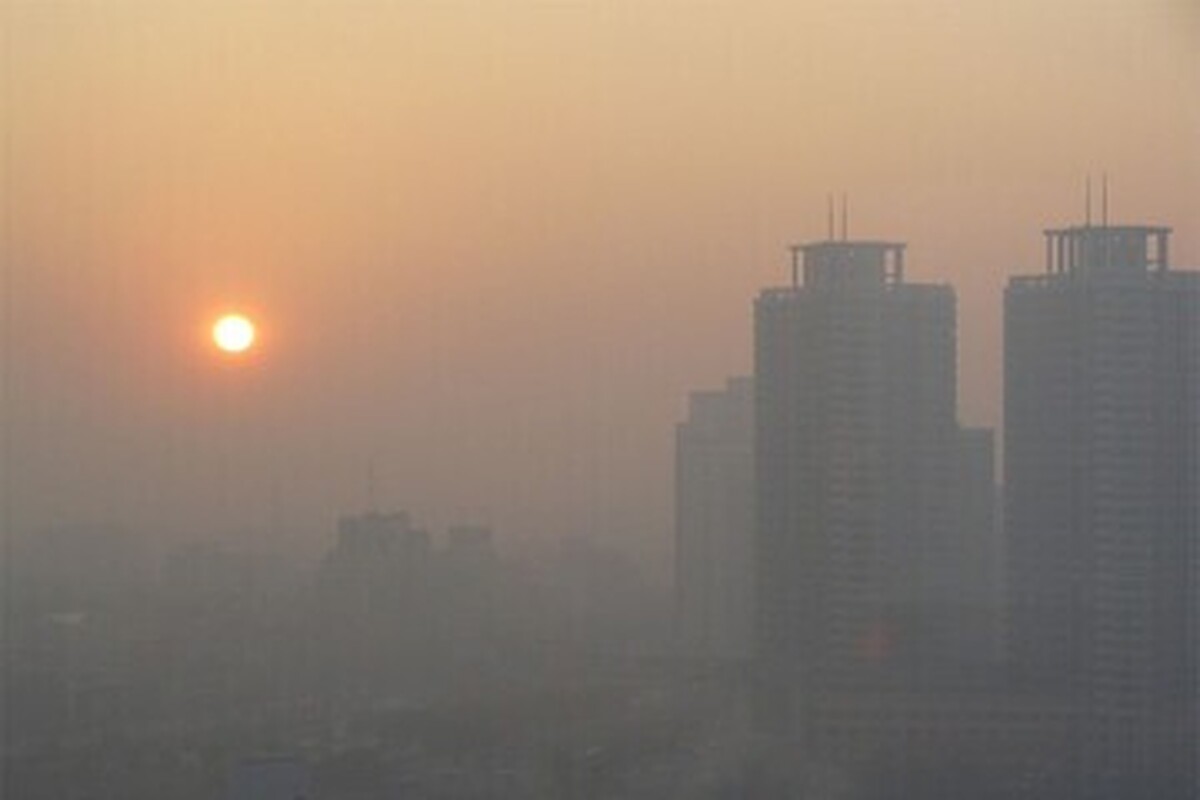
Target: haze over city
(491, 246)
(662, 399)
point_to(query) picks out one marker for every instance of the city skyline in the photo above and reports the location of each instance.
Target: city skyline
(891, 646)
(442, 216)
(600, 399)
(898, 627)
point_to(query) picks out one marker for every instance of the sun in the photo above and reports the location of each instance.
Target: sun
(233, 333)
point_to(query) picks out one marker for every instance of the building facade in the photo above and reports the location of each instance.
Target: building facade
(981, 589)
(1102, 435)
(714, 523)
(856, 442)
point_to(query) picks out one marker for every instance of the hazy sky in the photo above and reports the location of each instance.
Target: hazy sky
(494, 243)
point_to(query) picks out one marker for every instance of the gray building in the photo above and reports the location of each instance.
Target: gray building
(714, 522)
(856, 443)
(374, 614)
(1102, 441)
(980, 574)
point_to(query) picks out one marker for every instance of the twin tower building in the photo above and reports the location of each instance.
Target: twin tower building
(837, 526)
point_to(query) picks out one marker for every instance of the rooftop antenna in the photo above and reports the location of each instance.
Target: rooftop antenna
(1088, 203)
(845, 217)
(829, 208)
(1104, 200)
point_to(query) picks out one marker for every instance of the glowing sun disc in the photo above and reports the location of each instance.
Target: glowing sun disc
(233, 333)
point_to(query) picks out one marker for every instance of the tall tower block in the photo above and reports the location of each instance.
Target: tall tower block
(854, 451)
(1102, 439)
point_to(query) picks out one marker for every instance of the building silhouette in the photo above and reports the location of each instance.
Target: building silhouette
(372, 606)
(1102, 443)
(714, 522)
(856, 442)
(982, 583)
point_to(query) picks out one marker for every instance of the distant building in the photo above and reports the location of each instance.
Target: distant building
(1102, 451)
(374, 604)
(980, 573)
(377, 560)
(856, 452)
(714, 522)
(372, 535)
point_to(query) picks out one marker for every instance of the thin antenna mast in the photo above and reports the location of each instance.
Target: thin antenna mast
(845, 218)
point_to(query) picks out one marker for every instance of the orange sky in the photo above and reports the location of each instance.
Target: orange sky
(494, 243)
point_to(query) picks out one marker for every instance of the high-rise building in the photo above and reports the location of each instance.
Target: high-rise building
(1102, 445)
(714, 522)
(980, 611)
(856, 439)
(373, 605)
(377, 560)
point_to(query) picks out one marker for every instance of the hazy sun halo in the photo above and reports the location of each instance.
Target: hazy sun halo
(233, 333)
